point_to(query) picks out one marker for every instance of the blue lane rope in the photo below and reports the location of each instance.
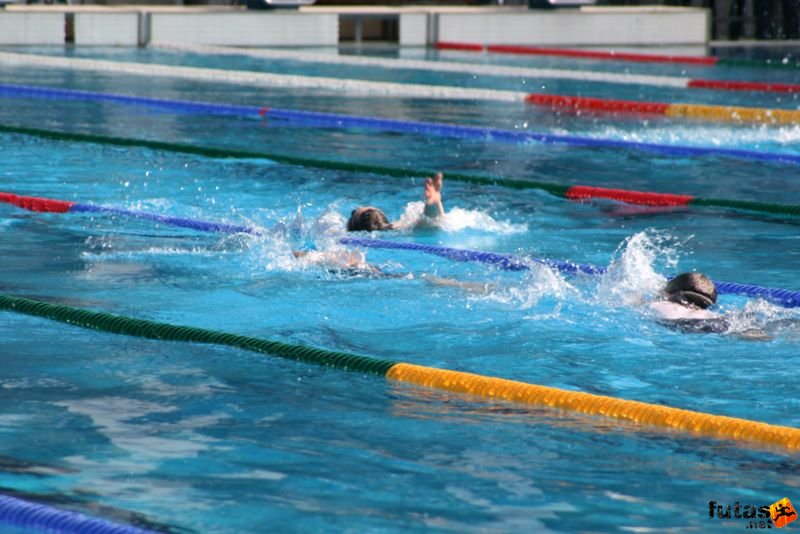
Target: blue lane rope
(334, 120)
(783, 297)
(506, 262)
(193, 224)
(43, 518)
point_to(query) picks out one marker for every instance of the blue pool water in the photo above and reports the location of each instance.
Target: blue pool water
(193, 438)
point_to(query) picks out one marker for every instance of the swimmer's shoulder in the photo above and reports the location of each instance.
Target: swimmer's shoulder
(689, 320)
(672, 311)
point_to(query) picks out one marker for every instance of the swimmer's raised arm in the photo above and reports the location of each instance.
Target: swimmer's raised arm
(433, 196)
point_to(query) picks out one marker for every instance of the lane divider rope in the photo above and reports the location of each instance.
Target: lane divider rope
(265, 79)
(534, 74)
(332, 120)
(574, 192)
(646, 416)
(783, 297)
(619, 56)
(506, 262)
(576, 53)
(433, 66)
(28, 515)
(737, 114)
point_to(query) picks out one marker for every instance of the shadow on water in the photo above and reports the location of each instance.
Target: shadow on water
(19, 466)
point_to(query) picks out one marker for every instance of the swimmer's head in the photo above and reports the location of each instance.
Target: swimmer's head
(369, 219)
(692, 289)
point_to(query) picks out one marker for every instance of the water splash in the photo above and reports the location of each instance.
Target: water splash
(632, 275)
(292, 244)
(457, 220)
(766, 317)
(325, 230)
(536, 285)
(733, 136)
(269, 250)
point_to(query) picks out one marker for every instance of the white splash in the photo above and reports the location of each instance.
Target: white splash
(456, 220)
(731, 135)
(758, 314)
(632, 277)
(538, 283)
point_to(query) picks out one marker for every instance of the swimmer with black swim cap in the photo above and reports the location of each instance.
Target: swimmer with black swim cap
(684, 305)
(691, 290)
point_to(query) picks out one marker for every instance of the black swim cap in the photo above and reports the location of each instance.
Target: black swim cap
(692, 288)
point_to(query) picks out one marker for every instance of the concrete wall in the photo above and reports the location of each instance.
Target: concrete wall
(413, 29)
(585, 27)
(246, 29)
(588, 26)
(25, 28)
(107, 29)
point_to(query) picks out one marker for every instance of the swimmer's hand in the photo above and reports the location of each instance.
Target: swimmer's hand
(433, 196)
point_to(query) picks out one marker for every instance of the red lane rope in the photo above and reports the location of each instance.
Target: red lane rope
(588, 54)
(731, 85)
(585, 192)
(597, 104)
(47, 205)
(728, 85)
(595, 54)
(460, 46)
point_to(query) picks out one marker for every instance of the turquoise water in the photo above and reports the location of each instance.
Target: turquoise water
(184, 437)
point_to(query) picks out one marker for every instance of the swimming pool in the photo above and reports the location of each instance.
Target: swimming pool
(188, 437)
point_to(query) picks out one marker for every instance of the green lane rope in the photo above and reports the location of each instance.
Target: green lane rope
(747, 205)
(478, 386)
(117, 324)
(563, 191)
(212, 152)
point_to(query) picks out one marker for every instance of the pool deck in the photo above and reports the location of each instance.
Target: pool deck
(139, 25)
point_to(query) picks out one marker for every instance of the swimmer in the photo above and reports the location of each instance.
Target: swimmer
(346, 262)
(370, 218)
(684, 306)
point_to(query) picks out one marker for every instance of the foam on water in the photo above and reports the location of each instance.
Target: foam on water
(760, 316)
(457, 220)
(632, 276)
(276, 244)
(535, 285)
(733, 135)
